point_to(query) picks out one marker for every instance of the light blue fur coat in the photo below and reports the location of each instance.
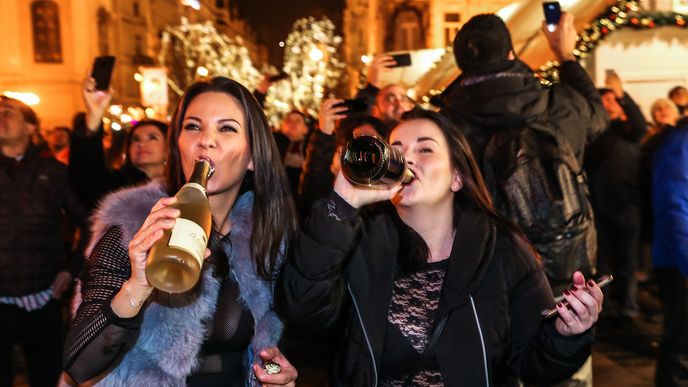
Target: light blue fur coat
(172, 332)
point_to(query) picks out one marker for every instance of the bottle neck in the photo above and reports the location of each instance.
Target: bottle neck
(201, 173)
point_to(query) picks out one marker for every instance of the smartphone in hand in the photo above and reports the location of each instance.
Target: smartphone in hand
(102, 71)
(552, 11)
(547, 313)
(358, 105)
(403, 60)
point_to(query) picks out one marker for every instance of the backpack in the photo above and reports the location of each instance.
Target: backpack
(536, 182)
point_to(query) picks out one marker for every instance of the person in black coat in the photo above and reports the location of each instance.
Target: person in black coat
(89, 174)
(612, 162)
(431, 285)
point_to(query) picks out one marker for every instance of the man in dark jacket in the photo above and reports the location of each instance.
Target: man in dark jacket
(497, 91)
(611, 162)
(34, 269)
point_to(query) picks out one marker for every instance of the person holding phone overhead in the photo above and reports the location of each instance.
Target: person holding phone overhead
(145, 149)
(224, 331)
(387, 102)
(432, 286)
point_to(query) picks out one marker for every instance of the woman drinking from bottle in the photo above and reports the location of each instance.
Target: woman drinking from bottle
(433, 288)
(223, 331)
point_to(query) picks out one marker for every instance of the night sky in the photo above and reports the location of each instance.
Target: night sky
(272, 19)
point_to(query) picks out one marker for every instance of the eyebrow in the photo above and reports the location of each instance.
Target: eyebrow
(222, 121)
(419, 139)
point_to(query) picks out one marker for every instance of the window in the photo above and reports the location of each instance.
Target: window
(452, 24)
(136, 9)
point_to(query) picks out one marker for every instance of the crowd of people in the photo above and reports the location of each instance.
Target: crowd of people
(520, 193)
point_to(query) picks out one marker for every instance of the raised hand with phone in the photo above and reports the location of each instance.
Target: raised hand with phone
(562, 39)
(96, 91)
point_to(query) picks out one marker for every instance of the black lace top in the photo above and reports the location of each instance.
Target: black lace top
(410, 321)
(98, 337)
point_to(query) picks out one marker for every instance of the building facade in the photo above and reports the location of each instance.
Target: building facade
(48, 45)
(375, 26)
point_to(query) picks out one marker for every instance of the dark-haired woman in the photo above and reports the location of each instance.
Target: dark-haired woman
(145, 151)
(435, 289)
(220, 332)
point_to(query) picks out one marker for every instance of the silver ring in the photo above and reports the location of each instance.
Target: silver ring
(272, 367)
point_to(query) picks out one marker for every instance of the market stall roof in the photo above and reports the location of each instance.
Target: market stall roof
(524, 19)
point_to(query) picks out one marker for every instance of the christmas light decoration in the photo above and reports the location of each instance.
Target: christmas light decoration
(624, 14)
(191, 51)
(312, 61)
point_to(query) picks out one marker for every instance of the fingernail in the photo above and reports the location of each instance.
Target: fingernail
(591, 283)
(573, 287)
(560, 304)
(566, 292)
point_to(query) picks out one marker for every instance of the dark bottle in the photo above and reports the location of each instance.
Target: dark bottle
(370, 161)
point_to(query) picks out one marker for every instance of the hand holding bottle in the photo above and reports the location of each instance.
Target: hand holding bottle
(161, 217)
(358, 196)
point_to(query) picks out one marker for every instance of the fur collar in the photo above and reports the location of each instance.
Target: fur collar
(172, 330)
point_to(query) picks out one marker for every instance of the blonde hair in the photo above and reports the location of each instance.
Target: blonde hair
(660, 103)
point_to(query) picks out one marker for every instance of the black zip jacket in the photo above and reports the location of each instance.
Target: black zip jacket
(342, 270)
(34, 196)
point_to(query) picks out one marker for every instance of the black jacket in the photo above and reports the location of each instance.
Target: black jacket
(34, 195)
(343, 266)
(515, 98)
(612, 164)
(89, 174)
(316, 177)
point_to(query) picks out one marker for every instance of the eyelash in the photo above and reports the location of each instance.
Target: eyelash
(224, 128)
(190, 126)
(425, 150)
(228, 128)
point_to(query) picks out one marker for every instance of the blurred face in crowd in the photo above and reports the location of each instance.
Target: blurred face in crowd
(58, 139)
(611, 105)
(147, 147)
(294, 126)
(391, 102)
(664, 113)
(680, 97)
(14, 130)
(427, 155)
(215, 127)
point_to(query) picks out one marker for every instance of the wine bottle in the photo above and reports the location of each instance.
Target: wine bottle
(370, 161)
(175, 260)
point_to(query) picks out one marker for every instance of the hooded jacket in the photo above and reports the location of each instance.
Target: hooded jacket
(342, 271)
(512, 97)
(170, 329)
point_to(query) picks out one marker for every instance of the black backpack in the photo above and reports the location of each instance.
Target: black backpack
(535, 180)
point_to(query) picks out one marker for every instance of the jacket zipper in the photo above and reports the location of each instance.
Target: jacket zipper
(482, 342)
(365, 334)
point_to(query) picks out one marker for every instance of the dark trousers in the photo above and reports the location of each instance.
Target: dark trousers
(672, 365)
(39, 333)
(618, 251)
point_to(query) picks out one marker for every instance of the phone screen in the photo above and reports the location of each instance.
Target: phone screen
(402, 60)
(102, 71)
(552, 11)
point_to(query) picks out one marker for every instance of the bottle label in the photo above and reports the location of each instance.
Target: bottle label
(190, 237)
(197, 186)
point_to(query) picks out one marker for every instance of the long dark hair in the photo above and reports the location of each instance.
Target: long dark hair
(274, 217)
(474, 194)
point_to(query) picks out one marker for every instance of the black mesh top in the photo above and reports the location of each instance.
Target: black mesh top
(410, 320)
(98, 337)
